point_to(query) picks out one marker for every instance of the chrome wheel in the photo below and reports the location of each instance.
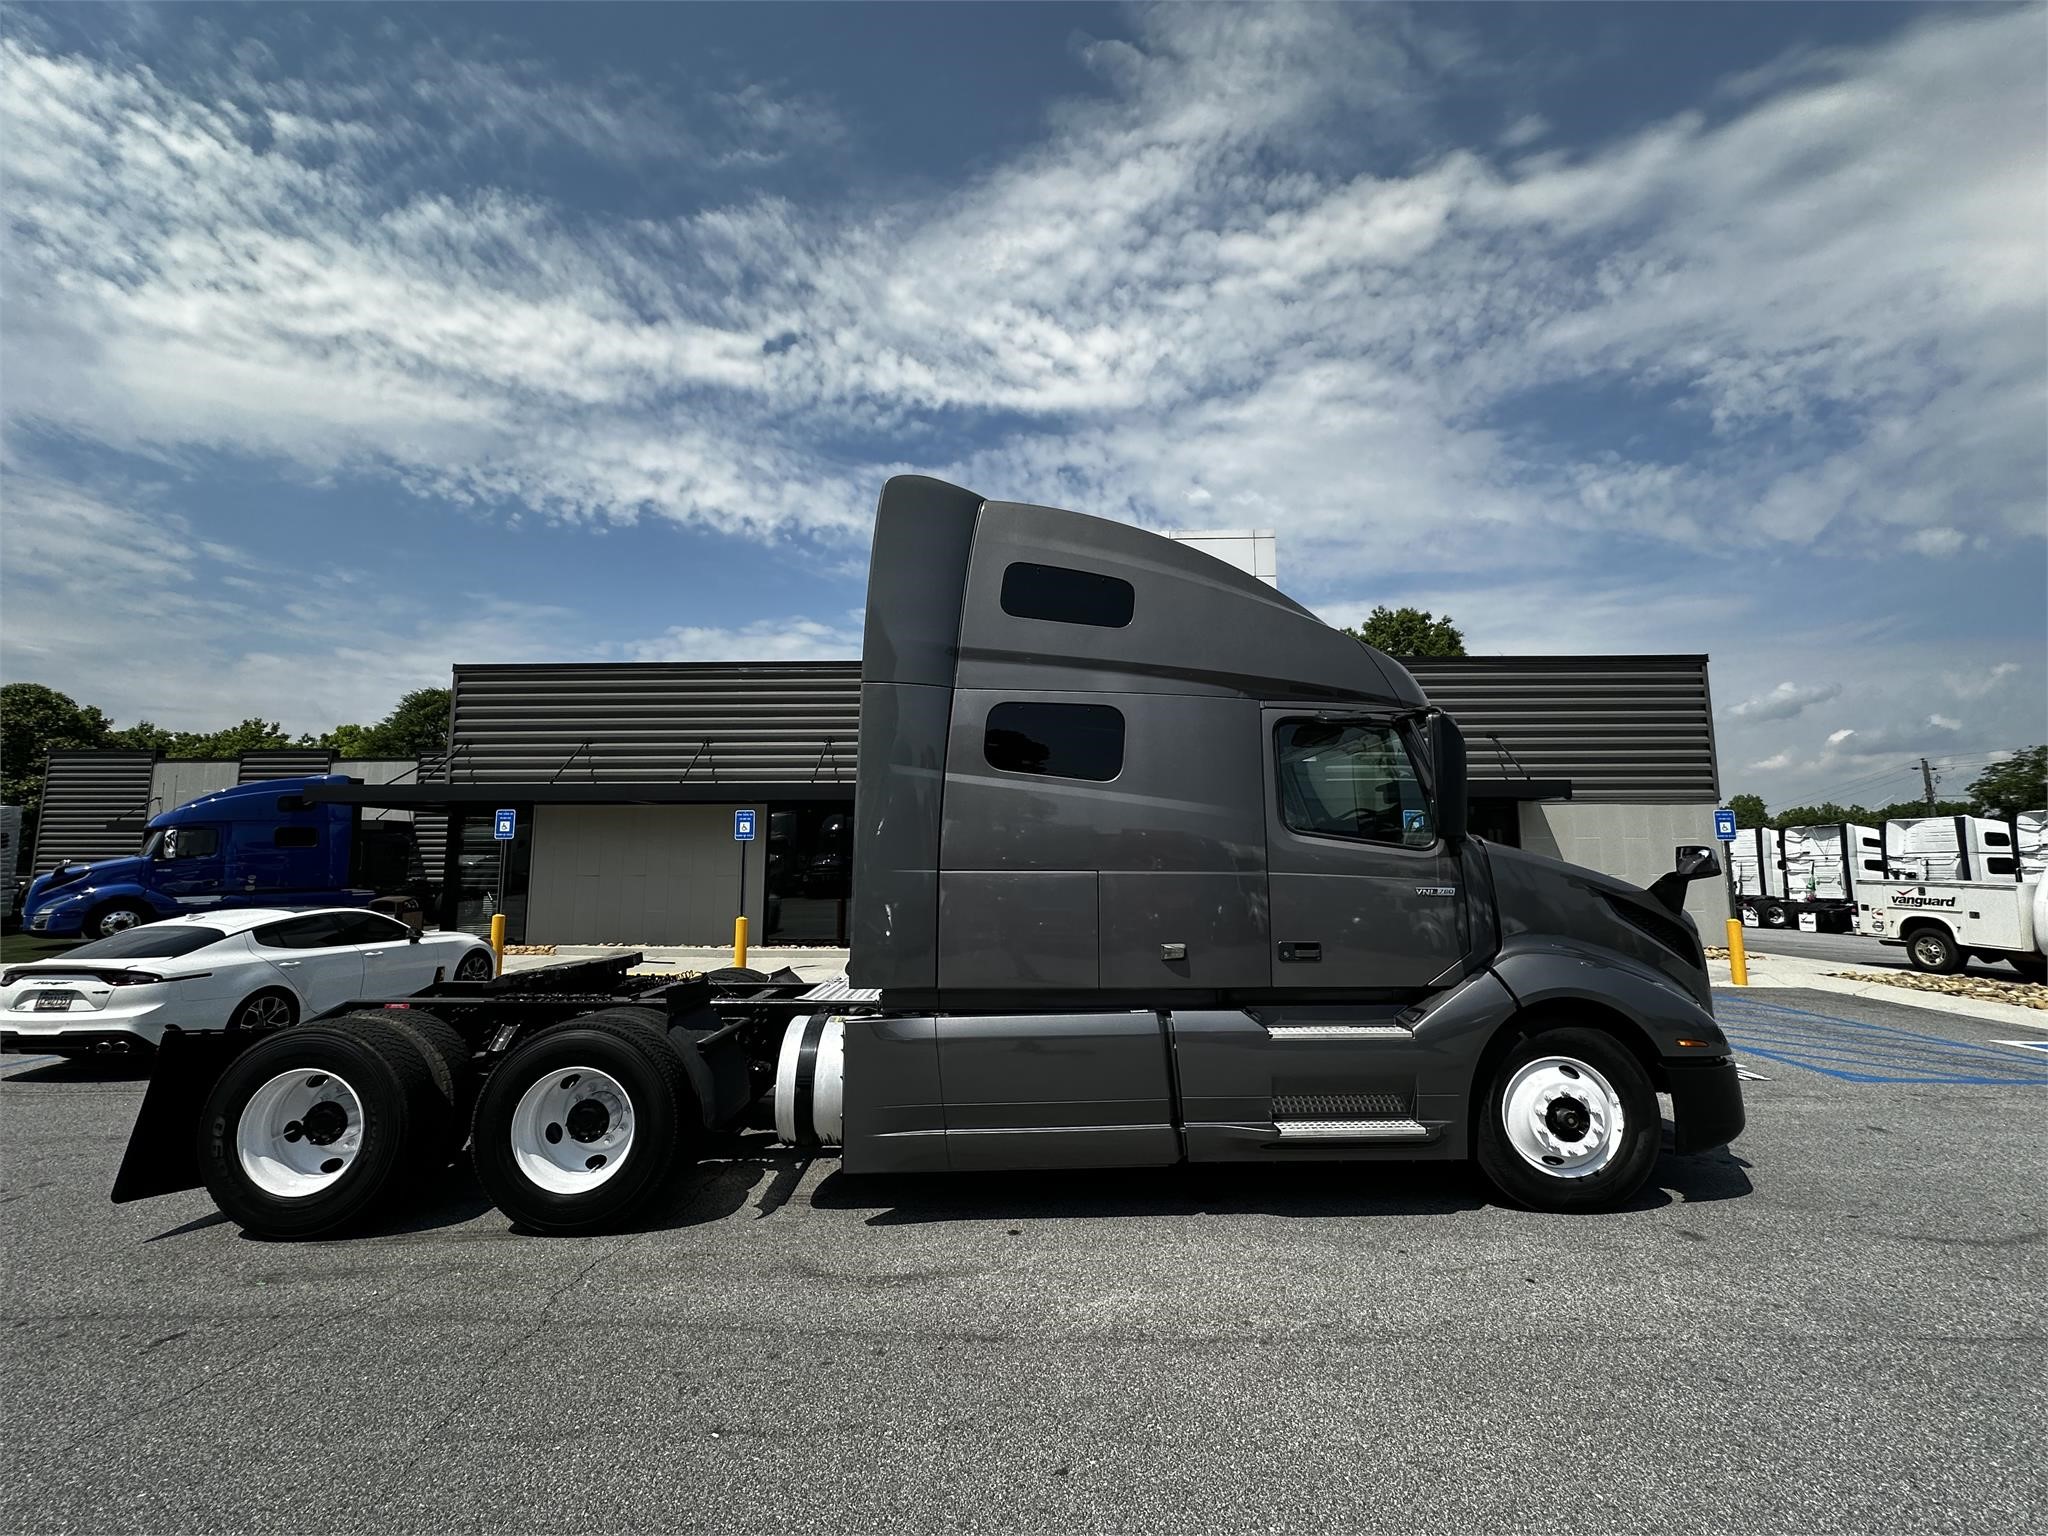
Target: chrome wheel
(120, 920)
(298, 1133)
(572, 1130)
(1562, 1117)
(267, 1012)
(475, 966)
(1930, 951)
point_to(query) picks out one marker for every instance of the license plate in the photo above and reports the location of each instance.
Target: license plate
(47, 1002)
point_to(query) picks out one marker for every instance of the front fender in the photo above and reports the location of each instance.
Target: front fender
(1706, 1095)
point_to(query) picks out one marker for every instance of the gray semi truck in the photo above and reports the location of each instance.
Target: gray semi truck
(1151, 866)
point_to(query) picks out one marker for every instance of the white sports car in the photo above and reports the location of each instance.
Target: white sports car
(252, 968)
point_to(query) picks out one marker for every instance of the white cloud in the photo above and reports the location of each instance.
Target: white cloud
(1524, 131)
(1966, 686)
(1785, 701)
(1774, 762)
(790, 639)
(1156, 301)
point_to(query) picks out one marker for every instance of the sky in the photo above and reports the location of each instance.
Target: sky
(339, 345)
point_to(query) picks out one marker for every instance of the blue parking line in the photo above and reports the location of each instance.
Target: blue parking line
(1836, 1048)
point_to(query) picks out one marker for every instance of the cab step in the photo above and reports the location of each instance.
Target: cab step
(1354, 1130)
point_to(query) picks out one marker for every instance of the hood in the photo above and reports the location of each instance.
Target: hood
(68, 879)
(1538, 896)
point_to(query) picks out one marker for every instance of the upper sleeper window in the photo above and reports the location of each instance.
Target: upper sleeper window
(1066, 741)
(1066, 596)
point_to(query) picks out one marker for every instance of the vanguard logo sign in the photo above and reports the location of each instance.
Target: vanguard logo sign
(1923, 901)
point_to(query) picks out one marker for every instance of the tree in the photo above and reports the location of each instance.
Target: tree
(34, 721)
(1750, 810)
(1410, 632)
(2020, 783)
(416, 727)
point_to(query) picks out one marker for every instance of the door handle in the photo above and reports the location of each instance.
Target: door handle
(288, 964)
(1298, 951)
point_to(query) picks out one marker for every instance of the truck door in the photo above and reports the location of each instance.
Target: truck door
(186, 865)
(1364, 895)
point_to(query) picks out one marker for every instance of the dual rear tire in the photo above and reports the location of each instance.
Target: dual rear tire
(313, 1129)
(577, 1129)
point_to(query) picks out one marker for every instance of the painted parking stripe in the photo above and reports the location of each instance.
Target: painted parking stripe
(1852, 1051)
(27, 1061)
(2026, 1045)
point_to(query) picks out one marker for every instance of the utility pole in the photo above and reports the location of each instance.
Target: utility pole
(1927, 778)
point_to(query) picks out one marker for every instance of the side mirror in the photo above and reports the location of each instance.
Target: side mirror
(417, 934)
(1447, 766)
(1692, 861)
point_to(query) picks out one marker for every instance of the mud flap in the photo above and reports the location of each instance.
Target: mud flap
(163, 1148)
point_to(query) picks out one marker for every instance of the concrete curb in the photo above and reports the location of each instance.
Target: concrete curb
(1768, 972)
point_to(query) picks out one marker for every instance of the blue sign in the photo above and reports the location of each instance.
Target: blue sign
(507, 826)
(743, 826)
(1724, 826)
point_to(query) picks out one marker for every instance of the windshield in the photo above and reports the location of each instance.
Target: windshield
(152, 941)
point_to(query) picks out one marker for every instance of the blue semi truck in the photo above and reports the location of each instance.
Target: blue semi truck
(255, 845)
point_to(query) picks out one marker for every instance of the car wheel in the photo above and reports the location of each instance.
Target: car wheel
(1933, 951)
(272, 1008)
(304, 1132)
(1569, 1123)
(116, 917)
(476, 965)
(581, 1125)
(1773, 916)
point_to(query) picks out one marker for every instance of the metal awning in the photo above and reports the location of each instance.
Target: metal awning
(1518, 789)
(456, 799)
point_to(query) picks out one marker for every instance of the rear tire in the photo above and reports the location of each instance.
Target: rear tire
(272, 1008)
(1772, 915)
(580, 1126)
(1569, 1123)
(304, 1132)
(444, 1053)
(1933, 951)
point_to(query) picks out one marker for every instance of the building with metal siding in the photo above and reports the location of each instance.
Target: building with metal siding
(1606, 761)
(85, 796)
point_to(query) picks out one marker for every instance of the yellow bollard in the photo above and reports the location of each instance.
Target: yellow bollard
(739, 940)
(1738, 962)
(498, 940)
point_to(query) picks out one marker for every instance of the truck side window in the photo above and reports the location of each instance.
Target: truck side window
(1065, 741)
(295, 837)
(2000, 866)
(1351, 779)
(189, 843)
(1066, 596)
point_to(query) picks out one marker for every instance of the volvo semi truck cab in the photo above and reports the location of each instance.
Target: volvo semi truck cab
(1151, 866)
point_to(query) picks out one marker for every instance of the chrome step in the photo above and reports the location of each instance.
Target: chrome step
(1353, 1130)
(1339, 1032)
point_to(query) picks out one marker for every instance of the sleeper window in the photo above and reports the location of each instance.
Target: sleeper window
(1065, 741)
(1067, 596)
(1351, 779)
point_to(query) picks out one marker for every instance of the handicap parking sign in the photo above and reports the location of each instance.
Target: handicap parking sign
(506, 827)
(743, 826)
(1724, 825)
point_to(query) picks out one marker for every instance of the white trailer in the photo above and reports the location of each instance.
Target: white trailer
(1820, 870)
(2030, 843)
(10, 851)
(1949, 848)
(1943, 923)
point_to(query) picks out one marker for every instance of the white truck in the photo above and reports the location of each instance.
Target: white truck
(1943, 923)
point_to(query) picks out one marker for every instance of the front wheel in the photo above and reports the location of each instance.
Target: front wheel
(1933, 951)
(477, 965)
(1773, 915)
(1570, 1123)
(116, 917)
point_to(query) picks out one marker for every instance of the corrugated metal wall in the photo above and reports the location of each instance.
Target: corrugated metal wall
(285, 763)
(94, 806)
(778, 722)
(1621, 728)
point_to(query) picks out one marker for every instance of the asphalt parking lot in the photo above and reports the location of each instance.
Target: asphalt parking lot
(1837, 1325)
(1855, 950)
